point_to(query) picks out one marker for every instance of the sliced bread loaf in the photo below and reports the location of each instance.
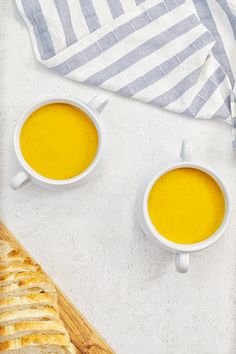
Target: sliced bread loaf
(29, 316)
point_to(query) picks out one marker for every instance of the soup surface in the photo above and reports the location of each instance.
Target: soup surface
(186, 205)
(59, 141)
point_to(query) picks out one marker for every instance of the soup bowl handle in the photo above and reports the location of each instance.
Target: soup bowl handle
(186, 150)
(182, 262)
(19, 180)
(98, 103)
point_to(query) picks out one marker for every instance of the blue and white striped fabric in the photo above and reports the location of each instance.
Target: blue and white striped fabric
(174, 54)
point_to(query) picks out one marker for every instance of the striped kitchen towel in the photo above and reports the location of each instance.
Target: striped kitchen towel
(174, 54)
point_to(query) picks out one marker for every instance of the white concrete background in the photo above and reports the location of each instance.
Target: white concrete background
(88, 239)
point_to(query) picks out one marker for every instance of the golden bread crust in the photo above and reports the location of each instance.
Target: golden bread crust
(29, 301)
(35, 340)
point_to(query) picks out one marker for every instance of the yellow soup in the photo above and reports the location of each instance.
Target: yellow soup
(186, 205)
(59, 141)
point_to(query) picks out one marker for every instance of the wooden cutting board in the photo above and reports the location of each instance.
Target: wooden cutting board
(83, 335)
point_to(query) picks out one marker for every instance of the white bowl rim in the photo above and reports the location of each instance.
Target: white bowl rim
(46, 101)
(199, 245)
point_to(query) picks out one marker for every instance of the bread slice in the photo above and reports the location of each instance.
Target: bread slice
(21, 329)
(28, 301)
(42, 349)
(35, 285)
(41, 313)
(17, 267)
(10, 278)
(38, 343)
(12, 256)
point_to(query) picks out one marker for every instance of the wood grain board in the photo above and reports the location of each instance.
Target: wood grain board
(83, 335)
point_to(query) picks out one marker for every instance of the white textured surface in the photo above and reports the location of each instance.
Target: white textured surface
(88, 239)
